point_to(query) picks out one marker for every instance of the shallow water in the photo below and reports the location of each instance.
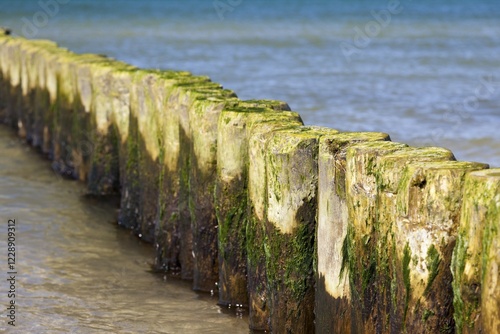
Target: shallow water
(77, 271)
(420, 77)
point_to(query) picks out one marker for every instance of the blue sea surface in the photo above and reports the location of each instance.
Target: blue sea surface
(426, 72)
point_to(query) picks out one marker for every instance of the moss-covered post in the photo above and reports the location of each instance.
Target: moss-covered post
(8, 115)
(30, 75)
(4, 86)
(258, 135)
(47, 111)
(332, 302)
(80, 153)
(203, 120)
(60, 133)
(180, 102)
(14, 75)
(121, 90)
(389, 173)
(424, 232)
(28, 84)
(292, 179)
(4, 76)
(104, 172)
(130, 187)
(52, 131)
(186, 257)
(12, 58)
(368, 249)
(231, 195)
(168, 236)
(358, 260)
(57, 141)
(142, 148)
(64, 132)
(151, 89)
(149, 151)
(166, 244)
(476, 257)
(41, 98)
(23, 106)
(230, 199)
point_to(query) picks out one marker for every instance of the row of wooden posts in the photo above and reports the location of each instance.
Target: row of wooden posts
(311, 229)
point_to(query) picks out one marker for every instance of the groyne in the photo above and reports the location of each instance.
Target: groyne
(311, 229)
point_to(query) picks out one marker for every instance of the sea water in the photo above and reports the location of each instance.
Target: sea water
(426, 72)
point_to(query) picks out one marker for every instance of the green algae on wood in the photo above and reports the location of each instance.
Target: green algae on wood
(203, 120)
(141, 137)
(147, 96)
(63, 116)
(41, 96)
(29, 85)
(428, 206)
(358, 258)
(120, 95)
(476, 256)
(173, 246)
(388, 174)
(73, 130)
(29, 78)
(4, 84)
(44, 104)
(181, 100)
(379, 177)
(13, 73)
(120, 91)
(290, 231)
(103, 174)
(258, 134)
(332, 289)
(231, 194)
(165, 122)
(176, 223)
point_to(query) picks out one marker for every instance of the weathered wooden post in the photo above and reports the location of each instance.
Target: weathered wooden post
(476, 257)
(31, 78)
(332, 298)
(28, 87)
(150, 89)
(121, 90)
(13, 66)
(203, 120)
(103, 175)
(424, 233)
(173, 166)
(231, 194)
(370, 247)
(258, 134)
(181, 100)
(292, 180)
(42, 97)
(4, 86)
